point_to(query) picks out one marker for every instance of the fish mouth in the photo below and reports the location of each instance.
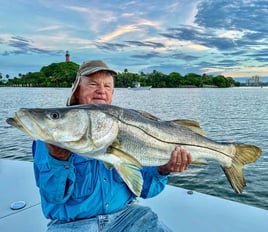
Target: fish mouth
(14, 122)
(24, 122)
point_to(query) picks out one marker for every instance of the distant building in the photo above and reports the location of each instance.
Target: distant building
(67, 56)
(254, 81)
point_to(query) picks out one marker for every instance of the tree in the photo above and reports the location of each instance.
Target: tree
(194, 79)
(156, 79)
(174, 80)
(63, 74)
(221, 81)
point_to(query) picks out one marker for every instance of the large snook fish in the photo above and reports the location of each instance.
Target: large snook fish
(128, 139)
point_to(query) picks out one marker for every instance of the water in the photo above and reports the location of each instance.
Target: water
(227, 115)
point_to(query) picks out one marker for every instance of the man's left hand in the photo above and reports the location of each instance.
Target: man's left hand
(179, 161)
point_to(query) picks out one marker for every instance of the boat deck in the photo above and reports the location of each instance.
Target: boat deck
(180, 209)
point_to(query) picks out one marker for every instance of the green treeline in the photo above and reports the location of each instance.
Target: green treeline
(63, 74)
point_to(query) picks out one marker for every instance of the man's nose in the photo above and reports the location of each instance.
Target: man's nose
(101, 88)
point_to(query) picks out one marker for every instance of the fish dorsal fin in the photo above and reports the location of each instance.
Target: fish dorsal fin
(190, 124)
(148, 115)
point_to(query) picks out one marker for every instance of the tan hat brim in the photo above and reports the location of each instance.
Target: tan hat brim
(72, 99)
(97, 69)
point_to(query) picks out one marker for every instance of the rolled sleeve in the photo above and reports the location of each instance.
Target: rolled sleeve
(54, 178)
(154, 183)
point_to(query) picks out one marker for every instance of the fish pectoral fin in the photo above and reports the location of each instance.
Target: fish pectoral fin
(131, 175)
(129, 169)
(190, 124)
(108, 165)
(115, 150)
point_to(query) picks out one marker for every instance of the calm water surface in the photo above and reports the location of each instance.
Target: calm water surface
(238, 115)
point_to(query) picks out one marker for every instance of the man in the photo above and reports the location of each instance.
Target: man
(80, 194)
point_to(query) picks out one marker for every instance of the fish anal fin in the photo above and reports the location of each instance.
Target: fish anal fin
(244, 154)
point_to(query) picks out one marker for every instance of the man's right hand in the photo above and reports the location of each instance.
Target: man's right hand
(57, 152)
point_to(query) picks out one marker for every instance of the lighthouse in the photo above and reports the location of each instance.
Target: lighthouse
(67, 56)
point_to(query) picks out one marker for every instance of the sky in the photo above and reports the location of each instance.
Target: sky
(215, 37)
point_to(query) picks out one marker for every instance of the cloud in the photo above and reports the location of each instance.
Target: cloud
(207, 39)
(146, 44)
(147, 55)
(49, 28)
(184, 57)
(23, 45)
(94, 17)
(241, 15)
(141, 25)
(118, 32)
(187, 36)
(110, 46)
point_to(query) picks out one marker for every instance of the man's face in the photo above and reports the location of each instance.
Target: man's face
(97, 88)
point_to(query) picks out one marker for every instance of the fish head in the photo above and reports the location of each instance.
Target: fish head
(78, 130)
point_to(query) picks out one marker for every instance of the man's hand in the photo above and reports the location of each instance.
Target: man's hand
(179, 161)
(57, 152)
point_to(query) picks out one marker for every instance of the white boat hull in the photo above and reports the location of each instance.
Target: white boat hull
(175, 207)
(141, 88)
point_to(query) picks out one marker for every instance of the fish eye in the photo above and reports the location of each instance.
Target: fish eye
(55, 115)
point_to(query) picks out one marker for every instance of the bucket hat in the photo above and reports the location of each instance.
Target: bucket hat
(87, 68)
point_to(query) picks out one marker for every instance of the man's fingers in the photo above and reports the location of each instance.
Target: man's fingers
(182, 158)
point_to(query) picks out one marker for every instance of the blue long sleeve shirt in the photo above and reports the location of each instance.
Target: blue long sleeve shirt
(83, 187)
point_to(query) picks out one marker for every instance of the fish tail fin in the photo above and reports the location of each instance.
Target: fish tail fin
(131, 175)
(244, 154)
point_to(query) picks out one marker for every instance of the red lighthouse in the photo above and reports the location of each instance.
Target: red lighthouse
(67, 56)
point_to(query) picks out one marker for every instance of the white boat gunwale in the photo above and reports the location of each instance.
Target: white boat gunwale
(177, 208)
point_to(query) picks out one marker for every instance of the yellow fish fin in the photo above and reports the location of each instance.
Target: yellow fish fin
(148, 115)
(108, 165)
(129, 169)
(244, 154)
(199, 162)
(131, 175)
(190, 124)
(115, 150)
